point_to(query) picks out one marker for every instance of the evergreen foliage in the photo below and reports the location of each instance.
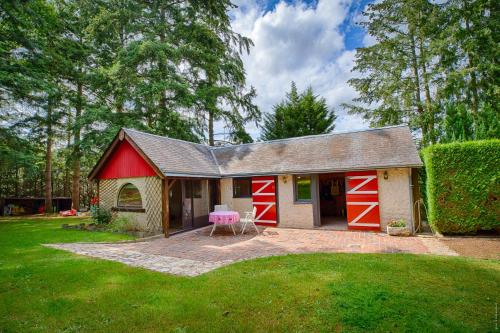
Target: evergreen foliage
(433, 66)
(298, 114)
(73, 72)
(463, 186)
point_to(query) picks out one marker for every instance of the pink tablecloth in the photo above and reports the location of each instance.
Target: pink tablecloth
(224, 217)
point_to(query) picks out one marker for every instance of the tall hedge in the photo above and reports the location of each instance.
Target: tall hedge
(463, 186)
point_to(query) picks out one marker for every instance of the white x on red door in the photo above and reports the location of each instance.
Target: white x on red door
(264, 199)
(362, 200)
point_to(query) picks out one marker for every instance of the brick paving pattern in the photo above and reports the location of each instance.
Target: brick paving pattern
(193, 253)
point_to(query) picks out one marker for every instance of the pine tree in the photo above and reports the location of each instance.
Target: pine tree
(74, 17)
(457, 124)
(468, 46)
(36, 32)
(428, 59)
(298, 115)
(214, 51)
(397, 71)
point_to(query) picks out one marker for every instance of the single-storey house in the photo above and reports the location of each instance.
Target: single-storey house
(359, 180)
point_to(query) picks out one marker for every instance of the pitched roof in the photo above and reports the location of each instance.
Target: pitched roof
(357, 150)
(176, 157)
(342, 151)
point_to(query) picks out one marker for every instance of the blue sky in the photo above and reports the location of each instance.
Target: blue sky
(353, 34)
(311, 42)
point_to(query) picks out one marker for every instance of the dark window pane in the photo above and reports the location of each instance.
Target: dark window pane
(187, 188)
(303, 188)
(129, 196)
(242, 187)
(197, 188)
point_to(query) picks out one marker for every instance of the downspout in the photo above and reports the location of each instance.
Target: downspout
(315, 201)
(412, 222)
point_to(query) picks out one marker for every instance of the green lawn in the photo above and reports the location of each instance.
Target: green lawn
(48, 290)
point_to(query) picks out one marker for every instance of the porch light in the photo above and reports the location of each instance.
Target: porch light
(386, 175)
(284, 179)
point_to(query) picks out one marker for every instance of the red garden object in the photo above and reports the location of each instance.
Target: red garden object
(71, 212)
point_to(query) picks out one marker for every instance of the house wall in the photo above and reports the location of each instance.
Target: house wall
(394, 196)
(394, 200)
(150, 190)
(240, 205)
(291, 214)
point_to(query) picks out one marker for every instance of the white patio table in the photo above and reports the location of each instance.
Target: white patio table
(224, 218)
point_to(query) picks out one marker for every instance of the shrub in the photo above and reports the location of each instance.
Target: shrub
(122, 224)
(463, 186)
(397, 223)
(101, 215)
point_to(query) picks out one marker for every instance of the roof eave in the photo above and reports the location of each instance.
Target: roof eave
(313, 171)
(191, 175)
(100, 163)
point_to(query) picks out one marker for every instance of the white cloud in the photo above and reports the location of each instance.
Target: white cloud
(297, 42)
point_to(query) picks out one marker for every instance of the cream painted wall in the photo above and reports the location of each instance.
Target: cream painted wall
(240, 205)
(394, 196)
(394, 200)
(150, 190)
(292, 215)
(226, 192)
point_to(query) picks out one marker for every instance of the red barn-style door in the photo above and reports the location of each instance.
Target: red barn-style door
(362, 201)
(264, 199)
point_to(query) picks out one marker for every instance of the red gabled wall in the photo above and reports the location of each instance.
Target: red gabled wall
(125, 162)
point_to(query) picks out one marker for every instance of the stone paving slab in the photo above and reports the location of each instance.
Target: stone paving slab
(195, 252)
(159, 263)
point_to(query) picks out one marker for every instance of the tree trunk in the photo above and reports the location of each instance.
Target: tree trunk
(17, 182)
(48, 159)
(119, 107)
(118, 92)
(418, 101)
(473, 77)
(67, 171)
(75, 191)
(162, 66)
(211, 106)
(210, 128)
(427, 90)
(473, 86)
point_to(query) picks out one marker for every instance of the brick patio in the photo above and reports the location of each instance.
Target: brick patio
(193, 253)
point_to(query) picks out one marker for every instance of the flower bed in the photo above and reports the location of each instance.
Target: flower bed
(398, 228)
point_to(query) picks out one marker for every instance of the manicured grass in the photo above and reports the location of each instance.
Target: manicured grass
(47, 290)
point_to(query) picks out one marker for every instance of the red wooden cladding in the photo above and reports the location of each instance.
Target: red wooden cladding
(362, 200)
(125, 162)
(264, 199)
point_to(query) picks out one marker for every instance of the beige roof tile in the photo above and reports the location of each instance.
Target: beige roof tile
(176, 157)
(357, 150)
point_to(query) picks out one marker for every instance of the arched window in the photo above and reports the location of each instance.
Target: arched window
(129, 197)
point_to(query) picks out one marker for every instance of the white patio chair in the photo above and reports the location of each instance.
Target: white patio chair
(249, 219)
(221, 208)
